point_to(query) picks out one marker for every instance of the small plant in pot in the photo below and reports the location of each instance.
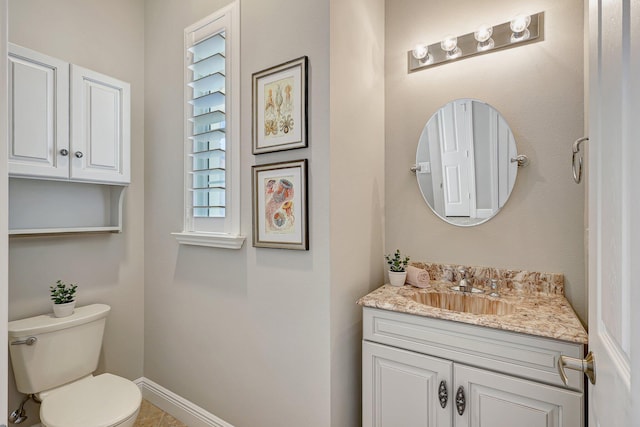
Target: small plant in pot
(397, 268)
(64, 298)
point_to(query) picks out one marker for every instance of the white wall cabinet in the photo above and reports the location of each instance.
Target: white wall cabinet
(90, 144)
(69, 133)
(408, 371)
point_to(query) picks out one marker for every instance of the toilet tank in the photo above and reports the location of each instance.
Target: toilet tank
(66, 348)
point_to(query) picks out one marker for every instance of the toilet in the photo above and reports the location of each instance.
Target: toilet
(54, 359)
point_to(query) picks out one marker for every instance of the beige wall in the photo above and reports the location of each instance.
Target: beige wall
(265, 328)
(106, 37)
(357, 189)
(244, 334)
(538, 88)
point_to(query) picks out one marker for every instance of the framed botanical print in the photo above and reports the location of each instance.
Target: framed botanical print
(280, 205)
(280, 107)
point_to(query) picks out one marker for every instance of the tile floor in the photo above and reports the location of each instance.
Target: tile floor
(152, 416)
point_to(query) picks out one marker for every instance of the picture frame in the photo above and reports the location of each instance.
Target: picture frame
(279, 98)
(280, 205)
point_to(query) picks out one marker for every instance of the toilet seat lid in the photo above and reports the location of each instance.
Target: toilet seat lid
(102, 401)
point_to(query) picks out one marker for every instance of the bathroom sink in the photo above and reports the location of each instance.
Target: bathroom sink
(466, 303)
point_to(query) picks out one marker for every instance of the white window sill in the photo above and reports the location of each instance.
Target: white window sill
(213, 240)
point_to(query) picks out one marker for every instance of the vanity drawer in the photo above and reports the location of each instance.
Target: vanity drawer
(520, 355)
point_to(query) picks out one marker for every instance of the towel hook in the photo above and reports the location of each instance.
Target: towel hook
(577, 172)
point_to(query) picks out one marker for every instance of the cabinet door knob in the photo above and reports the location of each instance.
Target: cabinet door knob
(79, 154)
(443, 394)
(461, 401)
(64, 152)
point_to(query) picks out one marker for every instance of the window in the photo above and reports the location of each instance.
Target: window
(212, 113)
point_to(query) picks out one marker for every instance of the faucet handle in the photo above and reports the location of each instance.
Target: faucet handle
(463, 272)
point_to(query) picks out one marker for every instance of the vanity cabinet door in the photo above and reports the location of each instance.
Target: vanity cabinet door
(38, 114)
(498, 400)
(100, 127)
(400, 388)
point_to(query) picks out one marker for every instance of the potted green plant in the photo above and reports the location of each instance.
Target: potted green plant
(397, 268)
(64, 298)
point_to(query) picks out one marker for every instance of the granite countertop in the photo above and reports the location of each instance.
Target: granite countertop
(543, 314)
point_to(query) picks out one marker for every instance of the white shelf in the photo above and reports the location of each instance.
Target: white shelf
(41, 207)
(58, 231)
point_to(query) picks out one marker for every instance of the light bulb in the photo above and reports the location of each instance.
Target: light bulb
(483, 36)
(519, 26)
(420, 52)
(450, 45)
(520, 23)
(483, 33)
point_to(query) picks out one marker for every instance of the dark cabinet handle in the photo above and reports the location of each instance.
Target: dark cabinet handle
(461, 402)
(79, 154)
(443, 394)
(64, 152)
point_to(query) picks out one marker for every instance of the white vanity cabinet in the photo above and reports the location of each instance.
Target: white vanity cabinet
(66, 122)
(424, 372)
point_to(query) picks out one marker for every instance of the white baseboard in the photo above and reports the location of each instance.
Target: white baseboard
(484, 213)
(180, 408)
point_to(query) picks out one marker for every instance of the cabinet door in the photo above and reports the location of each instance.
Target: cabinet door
(100, 127)
(496, 400)
(38, 114)
(400, 388)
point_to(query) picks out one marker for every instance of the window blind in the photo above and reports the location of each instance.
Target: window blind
(208, 126)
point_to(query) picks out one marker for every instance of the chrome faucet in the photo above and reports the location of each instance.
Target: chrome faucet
(464, 285)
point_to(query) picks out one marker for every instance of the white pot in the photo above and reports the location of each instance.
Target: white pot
(397, 278)
(64, 310)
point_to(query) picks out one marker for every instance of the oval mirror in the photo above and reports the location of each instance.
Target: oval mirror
(464, 162)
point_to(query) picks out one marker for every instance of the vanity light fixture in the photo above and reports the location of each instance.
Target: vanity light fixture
(521, 30)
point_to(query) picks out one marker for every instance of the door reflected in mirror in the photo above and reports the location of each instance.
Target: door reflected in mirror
(464, 162)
